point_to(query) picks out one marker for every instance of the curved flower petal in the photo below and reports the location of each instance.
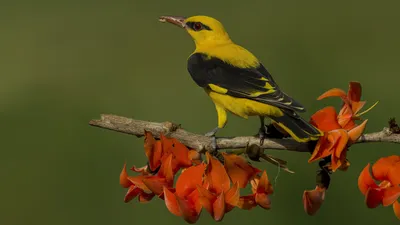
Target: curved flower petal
(153, 150)
(325, 119)
(132, 193)
(238, 169)
(262, 199)
(312, 200)
(155, 184)
(189, 179)
(181, 153)
(171, 202)
(390, 195)
(365, 180)
(216, 176)
(190, 208)
(354, 92)
(374, 197)
(394, 174)
(382, 167)
(322, 149)
(334, 92)
(123, 178)
(357, 131)
(167, 171)
(219, 208)
(232, 197)
(264, 186)
(396, 209)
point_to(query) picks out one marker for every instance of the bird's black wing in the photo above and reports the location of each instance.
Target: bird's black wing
(252, 83)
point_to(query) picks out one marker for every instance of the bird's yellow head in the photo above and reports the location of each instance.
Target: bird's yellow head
(204, 30)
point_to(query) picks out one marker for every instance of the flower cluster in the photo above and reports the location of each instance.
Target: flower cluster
(340, 129)
(387, 171)
(209, 184)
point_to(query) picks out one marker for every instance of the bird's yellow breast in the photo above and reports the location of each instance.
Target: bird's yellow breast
(243, 107)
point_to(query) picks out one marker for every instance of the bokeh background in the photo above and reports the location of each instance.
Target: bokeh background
(64, 63)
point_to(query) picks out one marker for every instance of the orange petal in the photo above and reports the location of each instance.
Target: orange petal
(181, 153)
(171, 202)
(166, 170)
(206, 199)
(345, 117)
(322, 149)
(357, 106)
(334, 92)
(381, 168)
(153, 150)
(374, 197)
(188, 209)
(232, 197)
(356, 132)
(167, 144)
(145, 197)
(396, 209)
(189, 179)
(390, 195)
(365, 180)
(194, 156)
(354, 92)
(155, 184)
(247, 202)
(264, 186)
(325, 119)
(341, 138)
(219, 208)
(263, 200)
(132, 192)
(138, 181)
(238, 169)
(123, 178)
(216, 175)
(312, 200)
(393, 175)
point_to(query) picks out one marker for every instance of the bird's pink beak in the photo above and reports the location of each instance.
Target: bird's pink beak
(176, 20)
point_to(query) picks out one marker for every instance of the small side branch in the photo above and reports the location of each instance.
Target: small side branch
(203, 143)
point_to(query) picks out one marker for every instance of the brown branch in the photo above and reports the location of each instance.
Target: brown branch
(203, 143)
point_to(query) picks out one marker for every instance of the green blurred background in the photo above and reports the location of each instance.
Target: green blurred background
(64, 63)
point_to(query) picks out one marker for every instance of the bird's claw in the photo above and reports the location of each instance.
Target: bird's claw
(262, 134)
(211, 134)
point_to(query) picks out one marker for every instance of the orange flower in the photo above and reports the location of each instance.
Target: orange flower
(386, 170)
(352, 104)
(158, 150)
(184, 200)
(238, 169)
(312, 200)
(217, 195)
(336, 139)
(136, 187)
(261, 188)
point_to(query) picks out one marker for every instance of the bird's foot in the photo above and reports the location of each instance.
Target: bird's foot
(211, 134)
(262, 134)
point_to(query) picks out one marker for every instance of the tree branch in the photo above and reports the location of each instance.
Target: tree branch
(202, 143)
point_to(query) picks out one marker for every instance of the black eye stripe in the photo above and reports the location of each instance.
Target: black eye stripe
(192, 26)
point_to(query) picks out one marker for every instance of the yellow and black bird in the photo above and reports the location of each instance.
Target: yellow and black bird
(237, 82)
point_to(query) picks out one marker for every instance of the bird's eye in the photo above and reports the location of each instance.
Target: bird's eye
(197, 26)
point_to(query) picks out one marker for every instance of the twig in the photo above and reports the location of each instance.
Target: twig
(202, 143)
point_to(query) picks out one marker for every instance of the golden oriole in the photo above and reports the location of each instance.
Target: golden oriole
(237, 82)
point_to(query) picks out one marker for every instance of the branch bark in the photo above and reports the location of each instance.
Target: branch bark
(202, 143)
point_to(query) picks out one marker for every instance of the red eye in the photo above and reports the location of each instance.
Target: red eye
(197, 26)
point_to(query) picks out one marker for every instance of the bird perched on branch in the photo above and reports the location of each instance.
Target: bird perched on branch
(237, 82)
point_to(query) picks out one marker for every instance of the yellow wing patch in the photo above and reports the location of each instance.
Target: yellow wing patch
(218, 89)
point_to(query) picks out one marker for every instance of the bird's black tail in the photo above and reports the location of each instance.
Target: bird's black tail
(297, 127)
